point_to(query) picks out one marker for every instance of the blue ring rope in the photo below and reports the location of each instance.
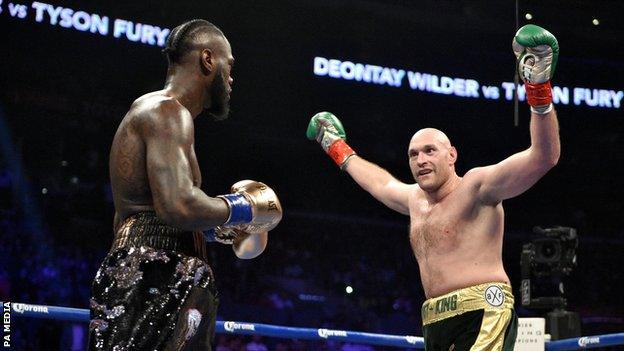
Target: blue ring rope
(586, 342)
(231, 327)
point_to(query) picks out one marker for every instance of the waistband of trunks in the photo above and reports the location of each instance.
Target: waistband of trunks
(146, 229)
(486, 296)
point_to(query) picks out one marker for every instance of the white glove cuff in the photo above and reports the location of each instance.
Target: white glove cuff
(542, 110)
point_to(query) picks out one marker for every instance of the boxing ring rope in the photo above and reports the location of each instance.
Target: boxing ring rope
(246, 328)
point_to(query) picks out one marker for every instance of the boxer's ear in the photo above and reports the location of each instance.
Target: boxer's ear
(452, 155)
(206, 61)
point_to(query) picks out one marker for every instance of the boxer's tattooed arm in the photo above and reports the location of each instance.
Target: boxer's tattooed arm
(130, 161)
(169, 141)
(128, 157)
(127, 169)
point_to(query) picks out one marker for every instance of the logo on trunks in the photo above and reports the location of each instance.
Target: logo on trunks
(325, 333)
(588, 340)
(232, 326)
(23, 307)
(413, 339)
(494, 296)
(192, 322)
(446, 304)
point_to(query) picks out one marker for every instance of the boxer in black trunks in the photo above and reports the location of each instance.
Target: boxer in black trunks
(155, 290)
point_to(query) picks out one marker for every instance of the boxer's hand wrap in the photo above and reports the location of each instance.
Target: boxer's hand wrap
(254, 207)
(221, 235)
(329, 132)
(538, 94)
(537, 52)
(241, 210)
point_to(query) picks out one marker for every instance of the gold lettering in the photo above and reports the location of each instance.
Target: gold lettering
(453, 304)
(272, 206)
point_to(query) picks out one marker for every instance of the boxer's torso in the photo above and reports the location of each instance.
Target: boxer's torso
(128, 166)
(457, 241)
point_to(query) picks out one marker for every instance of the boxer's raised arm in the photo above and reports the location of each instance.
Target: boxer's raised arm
(537, 51)
(329, 132)
(381, 184)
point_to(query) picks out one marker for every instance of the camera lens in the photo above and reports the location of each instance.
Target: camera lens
(548, 250)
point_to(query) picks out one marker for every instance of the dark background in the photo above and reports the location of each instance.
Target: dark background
(64, 93)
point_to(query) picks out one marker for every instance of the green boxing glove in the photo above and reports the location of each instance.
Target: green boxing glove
(329, 132)
(537, 52)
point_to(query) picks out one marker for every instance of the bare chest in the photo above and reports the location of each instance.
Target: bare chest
(437, 229)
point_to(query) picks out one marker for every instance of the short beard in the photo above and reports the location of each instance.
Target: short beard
(220, 106)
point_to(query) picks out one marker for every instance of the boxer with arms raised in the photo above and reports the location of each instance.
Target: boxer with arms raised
(155, 290)
(456, 229)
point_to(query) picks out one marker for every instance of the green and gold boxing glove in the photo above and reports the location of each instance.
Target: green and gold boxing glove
(329, 132)
(537, 52)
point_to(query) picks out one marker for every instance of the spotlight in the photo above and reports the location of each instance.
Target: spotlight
(595, 22)
(528, 16)
(349, 289)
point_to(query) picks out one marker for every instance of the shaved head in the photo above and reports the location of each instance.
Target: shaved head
(432, 159)
(432, 134)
